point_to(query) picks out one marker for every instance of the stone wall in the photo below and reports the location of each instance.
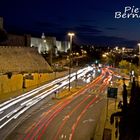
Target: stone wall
(17, 40)
(15, 83)
(22, 60)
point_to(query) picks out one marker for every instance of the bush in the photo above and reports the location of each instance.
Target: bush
(9, 75)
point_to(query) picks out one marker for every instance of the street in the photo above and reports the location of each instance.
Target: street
(74, 117)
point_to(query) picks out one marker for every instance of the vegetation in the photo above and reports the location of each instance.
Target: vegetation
(127, 67)
(129, 125)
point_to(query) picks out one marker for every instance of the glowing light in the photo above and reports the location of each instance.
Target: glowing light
(71, 34)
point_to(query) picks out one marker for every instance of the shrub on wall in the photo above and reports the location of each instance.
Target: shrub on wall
(9, 75)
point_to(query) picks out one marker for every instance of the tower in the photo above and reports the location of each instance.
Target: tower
(1, 23)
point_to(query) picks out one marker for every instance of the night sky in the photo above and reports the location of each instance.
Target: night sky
(93, 21)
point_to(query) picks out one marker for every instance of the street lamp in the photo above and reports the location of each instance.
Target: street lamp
(70, 34)
(123, 49)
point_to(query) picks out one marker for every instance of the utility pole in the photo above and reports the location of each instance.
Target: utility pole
(70, 35)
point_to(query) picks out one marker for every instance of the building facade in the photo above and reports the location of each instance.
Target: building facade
(47, 44)
(44, 44)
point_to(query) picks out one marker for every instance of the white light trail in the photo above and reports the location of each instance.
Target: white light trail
(33, 99)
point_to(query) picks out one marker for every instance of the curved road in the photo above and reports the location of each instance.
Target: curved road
(73, 118)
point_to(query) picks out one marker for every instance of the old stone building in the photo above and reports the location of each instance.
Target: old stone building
(46, 44)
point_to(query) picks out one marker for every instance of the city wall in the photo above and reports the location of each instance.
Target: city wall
(15, 83)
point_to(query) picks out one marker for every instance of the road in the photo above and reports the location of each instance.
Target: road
(13, 111)
(72, 118)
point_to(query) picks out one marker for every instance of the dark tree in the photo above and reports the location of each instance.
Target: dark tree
(124, 97)
(129, 125)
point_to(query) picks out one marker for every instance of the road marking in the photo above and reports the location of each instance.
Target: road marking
(43, 114)
(91, 106)
(85, 121)
(97, 101)
(62, 136)
(89, 120)
(1, 112)
(66, 117)
(70, 137)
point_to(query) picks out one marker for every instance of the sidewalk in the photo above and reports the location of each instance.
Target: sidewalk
(104, 130)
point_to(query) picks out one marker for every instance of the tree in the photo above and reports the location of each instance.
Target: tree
(129, 116)
(128, 67)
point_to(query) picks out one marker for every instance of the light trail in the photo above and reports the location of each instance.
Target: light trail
(79, 93)
(56, 113)
(80, 116)
(69, 114)
(103, 86)
(50, 119)
(42, 87)
(25, 105)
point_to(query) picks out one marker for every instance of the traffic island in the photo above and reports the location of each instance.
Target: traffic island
(65, 93)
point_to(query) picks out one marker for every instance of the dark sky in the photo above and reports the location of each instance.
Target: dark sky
(93, 21)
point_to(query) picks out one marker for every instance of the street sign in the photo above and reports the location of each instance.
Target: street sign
(112, 92)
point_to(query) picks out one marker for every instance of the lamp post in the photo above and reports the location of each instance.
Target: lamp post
(70, 34)
(123, 49)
